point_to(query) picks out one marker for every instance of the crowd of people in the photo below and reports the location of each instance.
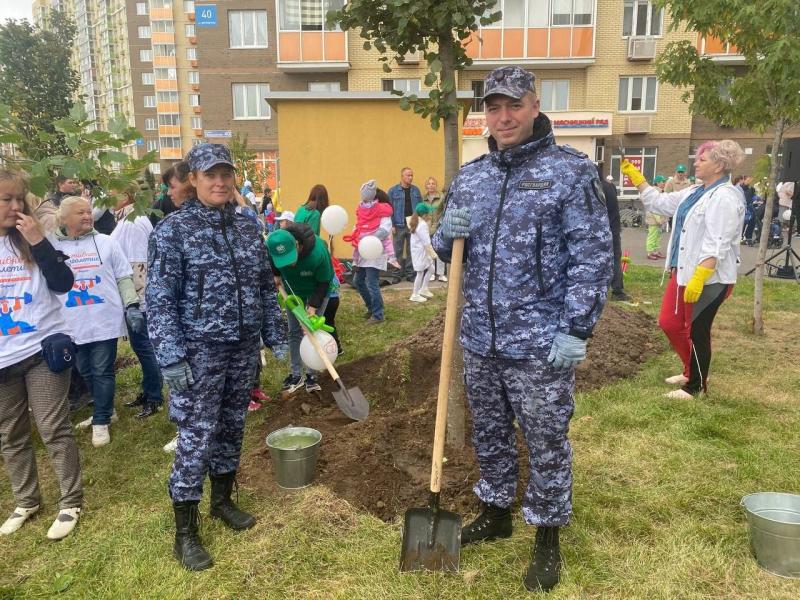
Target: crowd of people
(195, 287)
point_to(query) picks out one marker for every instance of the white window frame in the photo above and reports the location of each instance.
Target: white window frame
(258, 91)
(162, 26)
(144, 32)
(240, 16)
(173, 118)
(146, 55)
(197, 122)
(142, 8)
(191, 53)
(152, 145)
(649, 27)
(172, 73)
(645, 86)
(553, 85)
(280, 6)
(155, 168)
(149, 101)
(477, 86)
(405, 85)
(148, 78)
(194, 100)
(324, 86)
(150, 124)
(189, 30)
(172, 141)
(193, 77)
(172, 96)
(188, 6)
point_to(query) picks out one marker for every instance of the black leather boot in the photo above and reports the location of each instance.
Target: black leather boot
(222, 507)
(148, 410)
(494, 522)
(545, 566)
(138, 401)
(188, 548)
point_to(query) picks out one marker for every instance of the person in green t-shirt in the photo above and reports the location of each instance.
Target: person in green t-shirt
(311, 211)
(303, 263)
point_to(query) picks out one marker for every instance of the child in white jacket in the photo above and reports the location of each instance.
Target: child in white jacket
(422, 254)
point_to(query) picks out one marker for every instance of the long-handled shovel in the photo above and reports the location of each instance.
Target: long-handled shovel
(351, 401)
(432, 536)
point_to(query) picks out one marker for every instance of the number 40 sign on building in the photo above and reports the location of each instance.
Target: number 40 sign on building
(205, 15)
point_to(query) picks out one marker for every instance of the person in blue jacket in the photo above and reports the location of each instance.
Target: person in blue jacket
(538, 261)
(210, 296)
(403, 196)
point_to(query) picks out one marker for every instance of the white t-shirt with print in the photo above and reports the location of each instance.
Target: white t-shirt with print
(29, 311)
(93, 307)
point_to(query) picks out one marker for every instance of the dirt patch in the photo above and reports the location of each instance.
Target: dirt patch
(382, 464)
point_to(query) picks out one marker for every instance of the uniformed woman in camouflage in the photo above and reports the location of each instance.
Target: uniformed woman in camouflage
(538, 261)
(210, 296)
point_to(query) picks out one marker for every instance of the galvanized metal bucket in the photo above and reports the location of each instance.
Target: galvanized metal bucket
(774, 521)
(294, 452)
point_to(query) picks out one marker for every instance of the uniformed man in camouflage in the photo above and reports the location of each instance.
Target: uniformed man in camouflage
(537, 265)
(210, 297)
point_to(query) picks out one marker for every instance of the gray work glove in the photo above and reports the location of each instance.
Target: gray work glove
(178, 376)
(280, 351)
(135, 318)
(567, 351)
(455, 223)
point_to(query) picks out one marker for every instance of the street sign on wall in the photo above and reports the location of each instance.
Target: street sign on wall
(205, 15)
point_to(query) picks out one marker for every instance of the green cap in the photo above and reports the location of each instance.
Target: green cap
(680, 168)
(422, 208)
(659, 179)
(282, 248)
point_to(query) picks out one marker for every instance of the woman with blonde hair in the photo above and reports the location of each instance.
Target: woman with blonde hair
(32, 272)
(702, 256)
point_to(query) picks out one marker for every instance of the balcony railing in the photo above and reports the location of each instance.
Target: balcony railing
(312, 50)
(547, 44)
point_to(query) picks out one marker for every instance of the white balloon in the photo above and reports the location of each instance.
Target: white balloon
(787, 214)
(370, 247)
(334, 219)
(309, 355)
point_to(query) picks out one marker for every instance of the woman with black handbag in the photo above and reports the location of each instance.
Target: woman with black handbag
(32, 272)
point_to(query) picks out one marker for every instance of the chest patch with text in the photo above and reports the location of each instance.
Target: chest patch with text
(535, 184)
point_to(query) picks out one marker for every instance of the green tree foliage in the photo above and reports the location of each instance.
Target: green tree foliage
(436, 28)
(37, 82)
(760, 95)
(92, 155)
(245, 161)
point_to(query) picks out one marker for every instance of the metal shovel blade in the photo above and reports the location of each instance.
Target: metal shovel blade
(431, 540)
(351, 402)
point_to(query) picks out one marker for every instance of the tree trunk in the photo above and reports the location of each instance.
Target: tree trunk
(456, 411)
(758, 294)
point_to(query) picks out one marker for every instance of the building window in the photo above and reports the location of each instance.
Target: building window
(477, 91)
(163, 26)
(149, 101)
(167, 97)
(554, 94)
(169, 73)
(155, 168)
(152, 145)
(191, 54)
(513, 13)
(407, 86)
(146, 56)
(193, 77)
(148, 78)
(642, 17)
(169, 120)
(141, 8)
(194, 99)
(569, 12)
(188, 29)
(643, 159)
(247, 28)
(161, 3)
(538, 13)
(169, 142)
(149, 124)
(144, 32)
(164, 49)
(249, 101)
(188, 6)
(307, 15)
(637, 94)
(323, 86)
(197, 123)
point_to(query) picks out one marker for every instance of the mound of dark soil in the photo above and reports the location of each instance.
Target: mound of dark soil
(382, 464)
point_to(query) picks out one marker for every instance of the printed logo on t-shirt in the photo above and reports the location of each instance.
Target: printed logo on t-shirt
(81, 292)
(13, 271)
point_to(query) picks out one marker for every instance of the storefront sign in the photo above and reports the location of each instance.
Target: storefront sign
(474, 125)
(218, 133)
(580, 123)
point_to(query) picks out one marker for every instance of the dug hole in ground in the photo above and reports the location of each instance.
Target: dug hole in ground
(382, 464)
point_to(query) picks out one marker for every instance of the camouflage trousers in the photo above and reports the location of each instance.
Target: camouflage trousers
(540, 398)
(210, 415)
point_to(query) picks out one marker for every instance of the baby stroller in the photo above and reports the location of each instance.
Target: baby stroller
(775, 234)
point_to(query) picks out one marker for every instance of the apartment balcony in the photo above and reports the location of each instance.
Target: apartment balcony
(169, 130)
(166, 85)
(719, 51)
(543, 48)
(171, 153)
(317, 51)
(164, 61)
(162, 37)
(158, 14)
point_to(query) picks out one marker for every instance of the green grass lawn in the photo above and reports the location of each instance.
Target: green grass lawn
(656, 495)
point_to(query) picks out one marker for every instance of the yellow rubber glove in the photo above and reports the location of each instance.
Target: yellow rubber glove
(695, 286)
(634, 174)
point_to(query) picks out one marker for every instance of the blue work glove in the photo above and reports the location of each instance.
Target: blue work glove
(567, 351)
(455, 223)
(280, 351)
(178, 376)
(135, 318)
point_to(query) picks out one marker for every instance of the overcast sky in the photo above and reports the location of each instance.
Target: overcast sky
(15, 9)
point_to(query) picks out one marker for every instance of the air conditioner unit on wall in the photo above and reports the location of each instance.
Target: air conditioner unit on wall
(410, 58)
(639, 124)
(641, 48)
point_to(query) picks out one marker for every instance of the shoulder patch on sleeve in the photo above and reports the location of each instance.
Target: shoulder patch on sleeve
(574, 151)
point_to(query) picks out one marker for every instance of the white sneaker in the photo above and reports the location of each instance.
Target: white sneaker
(417, 298)
(426, 293)
(17, 519)
(443, 278)
(678, 395)
(86, 423)
(100, 435)
(432, 277)
(64, 524)
(676, 380)
(172, 445)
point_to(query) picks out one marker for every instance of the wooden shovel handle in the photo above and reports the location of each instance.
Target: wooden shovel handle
(449, 340)
(314, 342)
